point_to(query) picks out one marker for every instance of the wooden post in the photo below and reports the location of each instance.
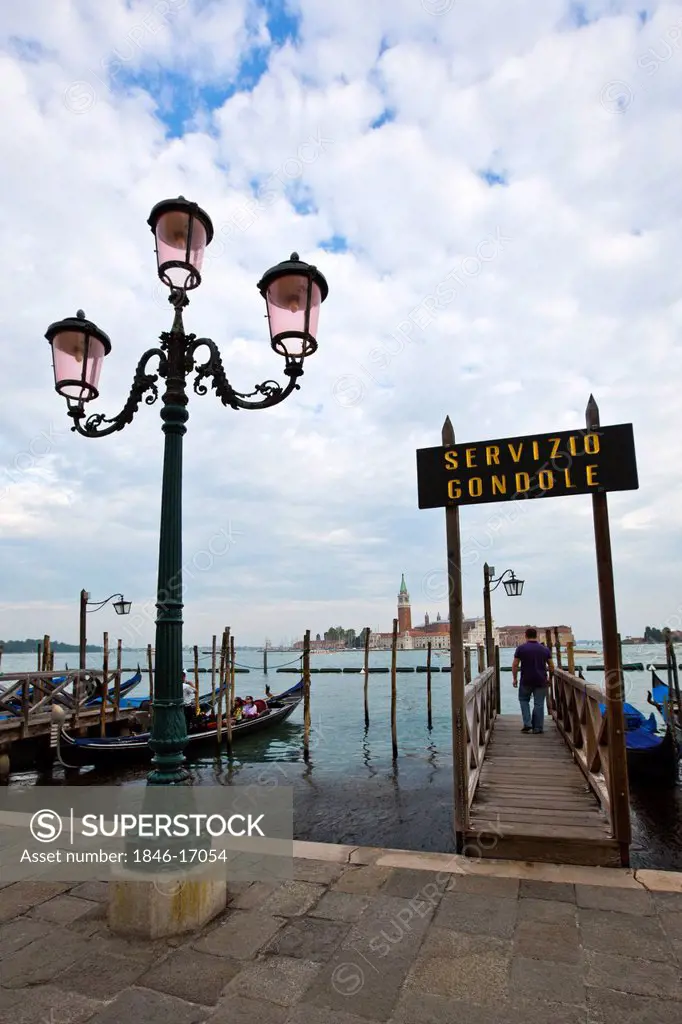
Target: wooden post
(428, 686)
(265, 659)
(40, 657)
(668, 661)
(196, 680)
(672, 662)
(570, 657)
(82, 621)
(557, 646)
(306, 696)
(1, 650)
(467, 665)
(150, 670)
(214, 655)
(394, 691)
(618, 769)
(481, 658)
(117, 681)
(229, 702)
(498, 688)
(105, 681)
(366, 670)
(488, 616)
(224, 651)
(459, 737)
(46, 654)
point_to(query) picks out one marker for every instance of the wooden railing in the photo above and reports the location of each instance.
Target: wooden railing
(576, 707)
(27, 695)
(480, 713)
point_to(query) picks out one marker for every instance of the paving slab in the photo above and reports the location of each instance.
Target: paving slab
(485, 886)
(418, 1008)
(410, 883)
(623, 901)
(278, 979)
(193, 976)
(253, 896)
(97, 891)
(606, 931)
(64, 909)
(40, 961)
(366, 973)
(19, 897)
(292, 899)
(307, 1014)
(145, 1006)
(366, 880)
(310, 939)
(237, 1010)
(672, 924)
(341, 906)
(542, 890)
(240, 936)
(479, 976)
(607, 1007)
(322, 871)
(101, 977)
(544, 980)
(640, 977)
(17, 933)
(478, 915)
(552, 911)
(44, 1004)
(544, 940)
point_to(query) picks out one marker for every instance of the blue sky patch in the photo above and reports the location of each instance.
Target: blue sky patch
(493, 178)
(385, 117)
(336, 243)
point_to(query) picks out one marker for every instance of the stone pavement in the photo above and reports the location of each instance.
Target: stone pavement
(361, 937)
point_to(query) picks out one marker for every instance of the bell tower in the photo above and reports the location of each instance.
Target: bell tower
(404, 610)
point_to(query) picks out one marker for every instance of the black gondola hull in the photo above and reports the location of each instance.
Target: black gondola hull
(657, 764)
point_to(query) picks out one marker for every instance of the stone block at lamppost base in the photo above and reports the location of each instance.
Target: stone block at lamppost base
(165, 906)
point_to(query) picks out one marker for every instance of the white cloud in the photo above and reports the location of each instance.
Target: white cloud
(583, 295)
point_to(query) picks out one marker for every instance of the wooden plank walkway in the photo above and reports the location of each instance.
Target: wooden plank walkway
(533, 802)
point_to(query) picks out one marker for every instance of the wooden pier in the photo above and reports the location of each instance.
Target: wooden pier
(546, 797)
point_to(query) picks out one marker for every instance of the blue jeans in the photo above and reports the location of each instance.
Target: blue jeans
(539, 695)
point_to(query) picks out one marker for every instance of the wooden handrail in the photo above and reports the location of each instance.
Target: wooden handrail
(578, 716)
(480, 712)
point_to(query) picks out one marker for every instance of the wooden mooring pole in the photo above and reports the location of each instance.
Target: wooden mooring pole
(366, 670)
(429, 719)
(671, 658)
(570, 657)
(213, 668)
(306, 696)
(265, 659)
(105, 687)
(467, 665)
(229, 703)
(117, 679)
(196, 680)
(394, 690)
(618, 769)
(150, 670)
(459, 740)
(557, 647)
(481, 658)
(224, 649)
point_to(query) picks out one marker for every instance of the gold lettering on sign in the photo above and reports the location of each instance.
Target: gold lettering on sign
(451, 459)
(536, 450)
(471, 458)
(592, 444)
(492, 455)
(515, 455)
(556, 441)
(499, 485)
(571, 446)
(546, 479)
(522, 482)
(454, 490)
(591, 476)
(475, 486)
(567, 477)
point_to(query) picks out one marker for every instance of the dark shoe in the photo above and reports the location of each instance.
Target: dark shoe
(526, 728)
(538, 732)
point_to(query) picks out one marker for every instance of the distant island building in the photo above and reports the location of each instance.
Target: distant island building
(436, 632)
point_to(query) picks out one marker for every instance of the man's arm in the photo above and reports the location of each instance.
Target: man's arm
(515, 668)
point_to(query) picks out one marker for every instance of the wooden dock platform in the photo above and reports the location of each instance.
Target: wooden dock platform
(533, 803)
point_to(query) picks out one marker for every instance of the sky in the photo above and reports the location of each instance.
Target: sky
(492, 191)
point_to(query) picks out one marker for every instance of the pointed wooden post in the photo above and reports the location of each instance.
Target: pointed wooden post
(366, 670)
(467, 665)
(265, 658)
(557, 647)
(306, 696)
(618, 769)
(214, 654)
(105, 687)
(117, 678)
(196, 680)
(428, 686)
(459, 737)
(394, 692)
(671, 659)
(570, 657)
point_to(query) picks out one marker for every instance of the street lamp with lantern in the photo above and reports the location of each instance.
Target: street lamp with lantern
(514, 588)
(120, 606)
(293, 292)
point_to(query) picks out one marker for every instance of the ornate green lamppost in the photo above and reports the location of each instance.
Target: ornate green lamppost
(293, 292)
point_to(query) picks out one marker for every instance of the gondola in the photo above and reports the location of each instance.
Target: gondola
(652, 756)
(66, 700)
(659, 696)
(76, 751)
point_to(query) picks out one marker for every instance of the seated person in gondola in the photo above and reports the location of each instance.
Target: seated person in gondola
(250, 709)
(237, 709)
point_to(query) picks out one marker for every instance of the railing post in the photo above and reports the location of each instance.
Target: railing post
(498, 702)
(570, 656)
(618, 769)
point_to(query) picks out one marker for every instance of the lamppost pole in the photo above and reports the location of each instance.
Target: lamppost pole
(293, 291)
(514, 588)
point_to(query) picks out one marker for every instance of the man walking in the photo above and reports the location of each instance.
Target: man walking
(535, 660)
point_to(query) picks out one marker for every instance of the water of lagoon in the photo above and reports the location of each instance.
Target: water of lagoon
(351, 791)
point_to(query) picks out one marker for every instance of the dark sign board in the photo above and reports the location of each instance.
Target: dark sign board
(539, 466)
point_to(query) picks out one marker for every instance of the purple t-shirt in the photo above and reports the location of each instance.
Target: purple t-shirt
(533, 657)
